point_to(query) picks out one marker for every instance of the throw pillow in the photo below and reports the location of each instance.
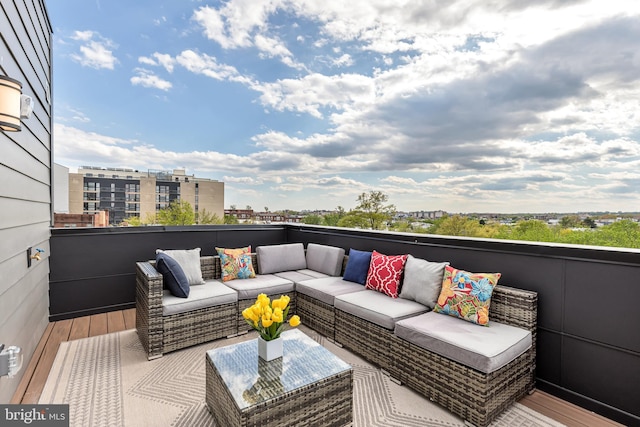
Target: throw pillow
(189, 260)
(357, 266)
(173, 276)
(422, 281)
(466, 295)
(385, 272)
(236, 263)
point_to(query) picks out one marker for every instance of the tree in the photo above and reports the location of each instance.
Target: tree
(131, 221)
(232, 207)
(456, 226)
(352, 220)
(371, 207)
(206, 217)
(312, 219)
(178, 213)
(532, 230)
(570, 221)
(231, 219)
(332, 219)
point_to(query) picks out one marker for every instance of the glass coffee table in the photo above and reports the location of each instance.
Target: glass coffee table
(308, 386)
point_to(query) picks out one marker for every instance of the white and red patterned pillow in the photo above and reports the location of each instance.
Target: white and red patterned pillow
(385, 272)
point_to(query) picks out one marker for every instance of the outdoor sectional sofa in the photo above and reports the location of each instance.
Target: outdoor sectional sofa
(474, 371)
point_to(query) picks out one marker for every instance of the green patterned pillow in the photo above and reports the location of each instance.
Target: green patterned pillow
(466, 295)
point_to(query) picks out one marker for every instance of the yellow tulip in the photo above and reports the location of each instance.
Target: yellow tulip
(277, 315)
(263, 300)
(257, 310)
(246, 313)
(266, 322)
(284, 301)
(294, 321)
(254, 317)
(276, 304)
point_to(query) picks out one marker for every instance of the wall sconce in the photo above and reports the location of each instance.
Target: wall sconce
(10, 360)
(13, 104)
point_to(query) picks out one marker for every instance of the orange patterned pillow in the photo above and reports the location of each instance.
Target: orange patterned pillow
(236, 263)
(466, 295)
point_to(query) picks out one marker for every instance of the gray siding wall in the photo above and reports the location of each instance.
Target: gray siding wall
(25, 177)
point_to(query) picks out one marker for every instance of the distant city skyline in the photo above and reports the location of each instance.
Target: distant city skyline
(463, 106)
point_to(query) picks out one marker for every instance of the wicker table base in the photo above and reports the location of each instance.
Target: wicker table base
(308, 386)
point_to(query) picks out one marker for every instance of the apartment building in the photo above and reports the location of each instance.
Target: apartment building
(127, 192)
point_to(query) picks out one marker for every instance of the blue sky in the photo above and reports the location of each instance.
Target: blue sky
(464, 106)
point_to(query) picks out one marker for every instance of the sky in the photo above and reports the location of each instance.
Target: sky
(462, 106)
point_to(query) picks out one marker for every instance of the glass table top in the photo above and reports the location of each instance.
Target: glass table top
(251, 380)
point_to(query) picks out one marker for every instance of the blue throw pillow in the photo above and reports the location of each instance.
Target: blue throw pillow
(172, 275)
(357, 266)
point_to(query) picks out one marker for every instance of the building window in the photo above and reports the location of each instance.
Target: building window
(132, 188)
(91, 186)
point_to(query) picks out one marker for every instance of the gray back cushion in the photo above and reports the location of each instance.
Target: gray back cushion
(277, 258)
(325, 259)
(189, 260)
(422, 281)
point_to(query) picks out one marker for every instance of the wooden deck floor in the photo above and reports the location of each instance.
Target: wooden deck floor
(37, 371)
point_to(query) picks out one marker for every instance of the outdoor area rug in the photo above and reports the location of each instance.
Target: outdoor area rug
(108, 381)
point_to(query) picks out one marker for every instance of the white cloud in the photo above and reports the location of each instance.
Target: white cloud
(146, 78)
(95, 51)
(201, 63)
(314, 92)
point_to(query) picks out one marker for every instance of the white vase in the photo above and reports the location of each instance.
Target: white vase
(269, 350)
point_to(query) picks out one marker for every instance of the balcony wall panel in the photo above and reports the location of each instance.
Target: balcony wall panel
(95, 268)
(597, 304)
(603, 374)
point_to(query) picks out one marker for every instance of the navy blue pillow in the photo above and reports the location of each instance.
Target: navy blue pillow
(357, 266)
(173, 275)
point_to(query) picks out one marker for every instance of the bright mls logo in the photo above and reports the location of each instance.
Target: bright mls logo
(35, 415)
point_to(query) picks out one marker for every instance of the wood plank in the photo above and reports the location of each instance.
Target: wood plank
(130, 318)
(23, 386)
(565, 412)
(115, 321)
(98, 325)
(59, 334)
(80, 328)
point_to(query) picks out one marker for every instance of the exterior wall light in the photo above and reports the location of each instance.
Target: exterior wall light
(13, 105)
(10, 360)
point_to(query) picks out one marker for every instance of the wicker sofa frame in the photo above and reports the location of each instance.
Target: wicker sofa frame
(477, 397)
(161, 334)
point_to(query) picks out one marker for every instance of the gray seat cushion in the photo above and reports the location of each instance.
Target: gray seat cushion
(484, 348)
(378, 308)
(325, 259)
(277, 258)
(327, 288)
(261, 284)
(299, 275)
(212, 293)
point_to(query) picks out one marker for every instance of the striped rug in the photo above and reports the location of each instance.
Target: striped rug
(107, 381)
